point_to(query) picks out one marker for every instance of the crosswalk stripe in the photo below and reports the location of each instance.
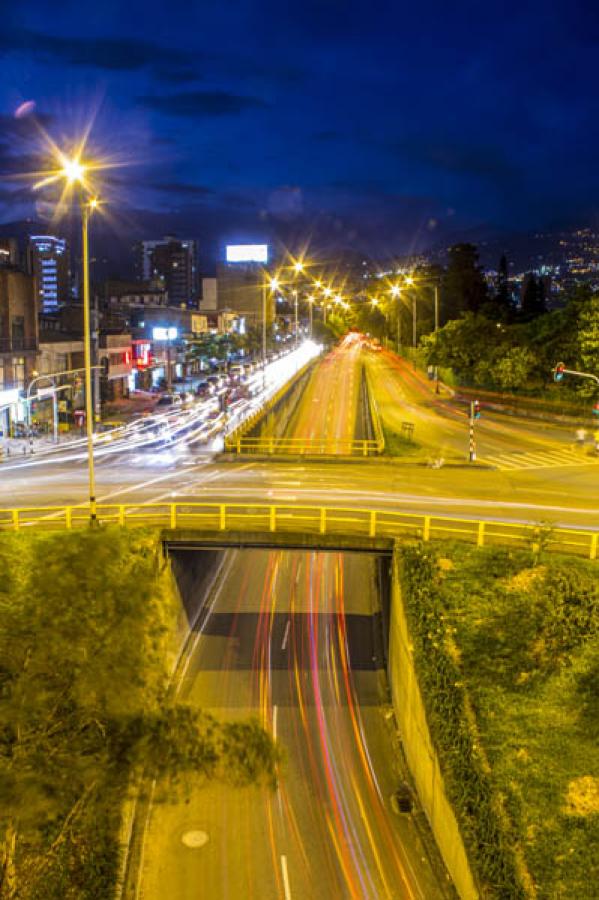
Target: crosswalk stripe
(543, 459)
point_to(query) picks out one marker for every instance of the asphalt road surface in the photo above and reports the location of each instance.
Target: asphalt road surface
(329, 405)
(529, 470)
(289, 638)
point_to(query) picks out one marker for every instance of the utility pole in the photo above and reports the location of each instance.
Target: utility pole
(414, 334)
(474, 414)
(436, 288)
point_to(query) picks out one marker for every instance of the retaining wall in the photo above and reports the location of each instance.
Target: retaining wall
(419, 749)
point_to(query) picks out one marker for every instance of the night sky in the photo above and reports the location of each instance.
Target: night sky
(380, 125)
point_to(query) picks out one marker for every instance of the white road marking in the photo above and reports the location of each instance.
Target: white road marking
(286, 887)
(286, 636)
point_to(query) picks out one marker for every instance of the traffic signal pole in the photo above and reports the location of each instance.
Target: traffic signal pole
(474, 414)
(472, 445)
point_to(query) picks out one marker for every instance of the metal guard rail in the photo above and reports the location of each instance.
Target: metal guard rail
(294, 518)
(374, 413)
(303, 446)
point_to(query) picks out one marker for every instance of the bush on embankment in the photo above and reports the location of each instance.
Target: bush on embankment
(508, 660)
(86, 641)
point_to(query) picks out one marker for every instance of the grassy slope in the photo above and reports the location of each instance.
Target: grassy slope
(538, 721)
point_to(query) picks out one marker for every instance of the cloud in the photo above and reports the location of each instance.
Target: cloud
(113, 54)
(179, 187)
(459, 158)
(201, 103)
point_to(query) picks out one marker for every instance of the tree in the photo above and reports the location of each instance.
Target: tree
(532, 304)
(464, 288)
(500, 307)
(588, 341)
(85, 619)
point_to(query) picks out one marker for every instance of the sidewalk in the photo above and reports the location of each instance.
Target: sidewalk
(17, 447)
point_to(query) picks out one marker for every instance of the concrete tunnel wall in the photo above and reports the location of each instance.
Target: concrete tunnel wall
(420, 752)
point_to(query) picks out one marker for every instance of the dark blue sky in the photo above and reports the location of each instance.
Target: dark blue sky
(371, 123)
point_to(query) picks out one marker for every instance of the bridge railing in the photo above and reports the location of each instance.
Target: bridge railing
(269, 445)
(305, 519)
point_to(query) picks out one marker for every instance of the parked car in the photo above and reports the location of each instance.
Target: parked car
(169, 400)
(204, 389)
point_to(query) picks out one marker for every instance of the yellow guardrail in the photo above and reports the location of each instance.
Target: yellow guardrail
(303, 446)
(294, 518)
(375, 417)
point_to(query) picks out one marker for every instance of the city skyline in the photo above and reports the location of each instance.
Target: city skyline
(262, 124)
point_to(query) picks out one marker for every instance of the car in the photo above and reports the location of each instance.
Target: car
(169, 400)
(204, 389)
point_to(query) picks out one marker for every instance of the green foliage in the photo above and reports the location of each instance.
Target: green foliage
(464, 288)
(568, 605)
(85, 626)
(493, 353)
(471, 790)
(520, 642)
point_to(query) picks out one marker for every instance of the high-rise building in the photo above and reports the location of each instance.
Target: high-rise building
(19, 337)
(48, 261)
(173, 262)
(9, 251)
(241, 283)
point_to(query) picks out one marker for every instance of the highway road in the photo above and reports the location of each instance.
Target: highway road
(329, 406)
(289, 638)
(542, 487)
(441, 426)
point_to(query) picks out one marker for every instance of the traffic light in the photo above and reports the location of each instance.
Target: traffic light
(596, 408)
(475, 411)
(558, 372)
(105, 365)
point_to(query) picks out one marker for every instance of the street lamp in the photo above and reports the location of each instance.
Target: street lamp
(86, 209)
(273, 285)
(311, 298)
(396, 292)
(73, 172)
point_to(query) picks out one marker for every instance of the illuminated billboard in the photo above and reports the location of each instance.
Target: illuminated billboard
(164, 334)
(247, 253)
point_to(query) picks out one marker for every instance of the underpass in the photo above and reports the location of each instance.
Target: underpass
(294, 638)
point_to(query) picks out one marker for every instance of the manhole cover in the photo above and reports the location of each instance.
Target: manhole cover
(195, 839)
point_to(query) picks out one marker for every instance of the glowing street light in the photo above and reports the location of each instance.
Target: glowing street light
(271, 284)
(311, 299)
(73, 172)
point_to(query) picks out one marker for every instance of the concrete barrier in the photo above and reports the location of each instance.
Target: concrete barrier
(419, 749)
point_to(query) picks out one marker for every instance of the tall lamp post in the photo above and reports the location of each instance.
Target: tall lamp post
(396, 292)
(311, 300)
(87, 208)
(436, 289)
(271, 285)
(295, 302)
(73, 172)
